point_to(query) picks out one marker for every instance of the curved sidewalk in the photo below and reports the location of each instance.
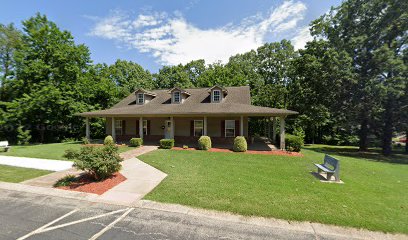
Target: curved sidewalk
(36, 163)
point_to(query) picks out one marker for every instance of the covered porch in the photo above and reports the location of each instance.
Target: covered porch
(186, 130)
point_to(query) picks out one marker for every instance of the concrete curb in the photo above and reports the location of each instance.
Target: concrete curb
(307, 227)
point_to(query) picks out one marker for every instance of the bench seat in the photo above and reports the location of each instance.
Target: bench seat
(330, 166)
(324, 168)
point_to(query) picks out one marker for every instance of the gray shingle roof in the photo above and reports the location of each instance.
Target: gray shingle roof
(237, 102)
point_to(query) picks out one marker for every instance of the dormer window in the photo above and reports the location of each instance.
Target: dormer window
(140, 98)
(216, 96)
(176, 97)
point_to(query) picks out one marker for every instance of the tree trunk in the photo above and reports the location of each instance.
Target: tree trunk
(388, 126)
(363, 134)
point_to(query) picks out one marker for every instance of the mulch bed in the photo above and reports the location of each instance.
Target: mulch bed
(273, 152)
(85, 184)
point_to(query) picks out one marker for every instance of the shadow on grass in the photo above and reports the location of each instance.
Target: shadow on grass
(371, 154)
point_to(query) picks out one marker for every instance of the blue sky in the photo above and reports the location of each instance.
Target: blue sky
(155, 33)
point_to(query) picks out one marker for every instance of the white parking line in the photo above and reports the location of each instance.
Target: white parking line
(94, 237)
(46, 225)
(82, 220)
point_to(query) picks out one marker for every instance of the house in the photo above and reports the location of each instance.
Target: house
(185, 114)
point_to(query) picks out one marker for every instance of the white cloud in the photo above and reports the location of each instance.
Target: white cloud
(303, 36)
(173, 40)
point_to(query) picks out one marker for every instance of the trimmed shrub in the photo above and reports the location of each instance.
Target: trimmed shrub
(185, 147)
(136, 142)
(204, 143)
(293, 143)
(98, 162)
(85, 140)
(109, 140)
(167, 143)
(240, 144)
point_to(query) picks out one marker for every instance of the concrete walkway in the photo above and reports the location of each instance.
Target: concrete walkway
(141, 179)
(137, 152)
(37, 163)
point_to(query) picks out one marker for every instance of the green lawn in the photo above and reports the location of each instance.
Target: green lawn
(48, 151)
(18, 174)
(374, 196)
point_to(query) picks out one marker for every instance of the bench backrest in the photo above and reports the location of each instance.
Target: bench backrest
(4, 143)
(330, 161)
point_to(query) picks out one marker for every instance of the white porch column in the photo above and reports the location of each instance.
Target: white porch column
(113, 129)
(282, 133)
(241, 126)
(205, 126)
(88, 132)
(274, 130)
(172, 128)
(141, 127)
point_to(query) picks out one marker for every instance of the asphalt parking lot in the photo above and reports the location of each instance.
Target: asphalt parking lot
(33, 216)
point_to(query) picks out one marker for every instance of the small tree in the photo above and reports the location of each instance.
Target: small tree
(99, 162)
(23, 136)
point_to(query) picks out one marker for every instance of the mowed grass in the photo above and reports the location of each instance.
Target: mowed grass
(374, 196)
(48, 151)
(18, 174)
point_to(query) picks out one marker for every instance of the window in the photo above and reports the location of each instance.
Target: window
(229, 128)
(176, 98)
(140, 98)
(198, 128)
(144, 127)
(216, 95)
(118, 127)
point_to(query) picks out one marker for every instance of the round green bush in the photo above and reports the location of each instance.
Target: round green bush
(167, 143)
(136, 142)
(108, 140)
(240, 144)
(293, 143)
(204, 143)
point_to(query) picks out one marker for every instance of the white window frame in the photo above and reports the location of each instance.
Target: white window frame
(138, 98)
(118, 127)
(144, 127)
(219, 95)
(179, 97)
(202, 127)
(225, 134)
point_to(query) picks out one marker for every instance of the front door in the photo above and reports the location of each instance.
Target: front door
(167, 129)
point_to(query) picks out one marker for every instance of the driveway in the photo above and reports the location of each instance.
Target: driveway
(32, 216)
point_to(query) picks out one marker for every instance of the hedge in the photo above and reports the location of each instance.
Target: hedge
(240, 144)
(136, 142)
(204, 143)
(293, 143)
(167, 143)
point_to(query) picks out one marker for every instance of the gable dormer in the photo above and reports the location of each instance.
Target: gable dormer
(178, 95)
(217, 94)
(144, 96)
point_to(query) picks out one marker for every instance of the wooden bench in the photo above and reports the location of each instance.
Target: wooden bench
(331, 167)
(5, 145)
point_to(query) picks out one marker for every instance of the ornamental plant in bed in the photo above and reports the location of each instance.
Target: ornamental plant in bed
(98, 162)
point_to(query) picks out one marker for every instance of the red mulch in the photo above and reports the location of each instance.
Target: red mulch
(85, 184)
(273, 152)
